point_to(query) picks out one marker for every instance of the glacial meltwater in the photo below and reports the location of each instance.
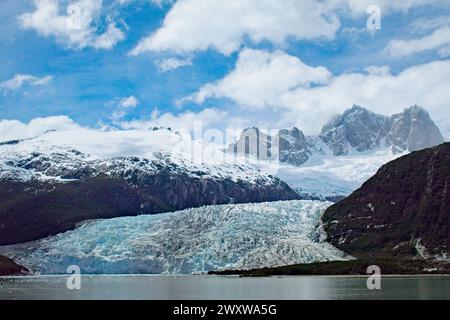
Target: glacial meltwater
(223, 288)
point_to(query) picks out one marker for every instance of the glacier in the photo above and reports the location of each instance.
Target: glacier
(235, 236)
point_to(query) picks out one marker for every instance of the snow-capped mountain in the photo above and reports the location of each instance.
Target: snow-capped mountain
(356, 130)
(296, 148)
(412, 130)
(36, 159)
(190, 241)
(361, 130)
(348, 151)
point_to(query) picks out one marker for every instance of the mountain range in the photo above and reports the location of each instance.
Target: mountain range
(54, 187)
(400, 214)
(356, 130)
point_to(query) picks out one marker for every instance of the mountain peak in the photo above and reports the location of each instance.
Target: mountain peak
(356, 128)
(294, 132)
(356, 107)
(362, 129)
(412, 130)
(416, 109)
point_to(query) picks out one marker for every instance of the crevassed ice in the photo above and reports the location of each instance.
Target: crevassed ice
(188, 241)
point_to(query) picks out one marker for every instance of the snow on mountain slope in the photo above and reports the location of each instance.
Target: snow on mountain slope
(188, 241)
(444, 126)
(109, 144)
(70, 154)
(327, 177)
(73, 154)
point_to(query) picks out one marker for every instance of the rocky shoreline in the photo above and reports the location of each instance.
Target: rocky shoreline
(8, 267)
(348, 268)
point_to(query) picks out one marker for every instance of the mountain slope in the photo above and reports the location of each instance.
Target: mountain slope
(404, 210)
(189, 241)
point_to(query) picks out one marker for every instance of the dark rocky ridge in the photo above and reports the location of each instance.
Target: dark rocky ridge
(403, 211)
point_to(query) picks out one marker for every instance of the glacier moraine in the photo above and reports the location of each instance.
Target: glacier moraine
(189, 241)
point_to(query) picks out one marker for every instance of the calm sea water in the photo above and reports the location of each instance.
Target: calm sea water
(223, 288)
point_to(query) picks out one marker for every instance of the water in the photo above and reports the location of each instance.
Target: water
(224, 288)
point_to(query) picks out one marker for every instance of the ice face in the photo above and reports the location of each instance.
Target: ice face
(189, 241)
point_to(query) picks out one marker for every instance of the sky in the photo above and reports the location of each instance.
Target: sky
(127, 64)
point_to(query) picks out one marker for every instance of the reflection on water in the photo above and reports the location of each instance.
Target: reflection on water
(223, 288)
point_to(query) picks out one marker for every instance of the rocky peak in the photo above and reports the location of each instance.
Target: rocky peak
(288, 145)
(294, 147)
(356, 128)
(412, 130)
(254, 142)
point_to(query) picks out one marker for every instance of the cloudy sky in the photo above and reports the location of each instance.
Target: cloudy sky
(229, 63)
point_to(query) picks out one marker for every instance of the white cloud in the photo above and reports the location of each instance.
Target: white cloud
(158, 3)
(14, 129)
(77, 28)
(260, 77)
(125, 105)
(444, 51)
(276, 81)
(172, 64)
(194, 25)
(358, 7)
(438, 40)
(376, 70)
(430, 23)
(426, 85)
(21, 79)
(108, 39)
(183, 121)
(129, 102)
